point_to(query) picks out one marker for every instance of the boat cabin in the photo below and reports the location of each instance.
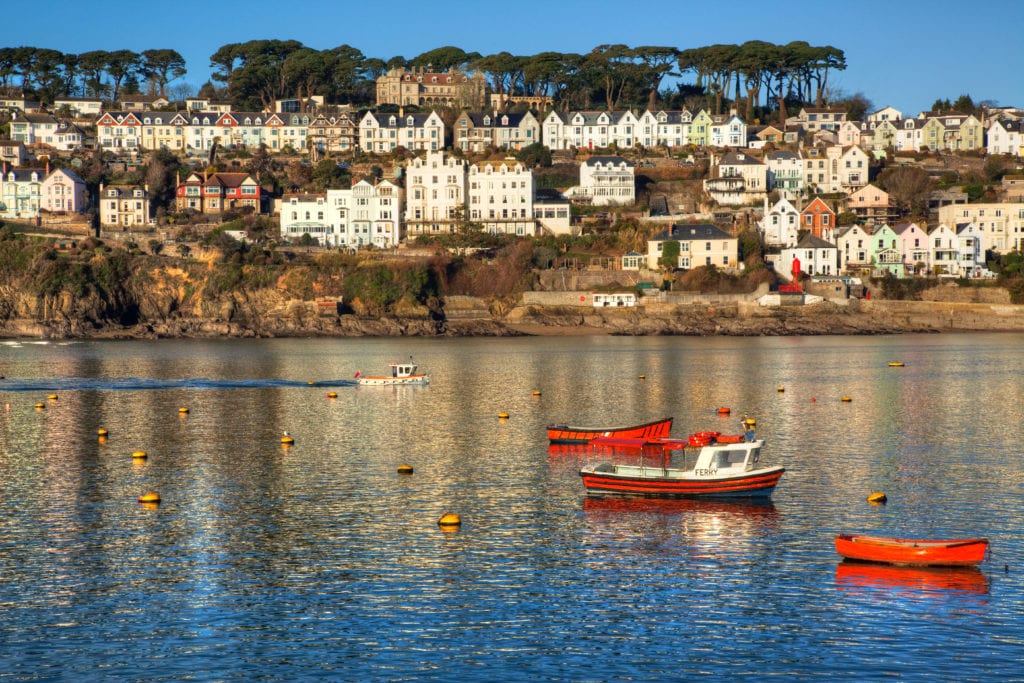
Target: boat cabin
(727, 459)
(403, 369)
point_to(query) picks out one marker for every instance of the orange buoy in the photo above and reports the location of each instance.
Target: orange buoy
(332, 394)
(101, 432)
(535, 392)
(846, 399)
(449, 520)
(150, 497)
(502, 415)
(877, 497)
(405, 469)
(724, 411)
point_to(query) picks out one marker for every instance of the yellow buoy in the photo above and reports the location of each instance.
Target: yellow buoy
(183, 410)
(405, 469)
(536, 392)
(101, 432)
(310, 382)
(332, 394)
(846, 399)
(780, 389)
(140, 455)
(449, 520)
(877, 497)
(150, 497)
(643, 376)
(52, 397)
(40, 406)
(896, 364)
(502, 415)
(287, 439)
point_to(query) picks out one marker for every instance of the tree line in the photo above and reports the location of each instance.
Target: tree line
(50, 74)
(757, 77)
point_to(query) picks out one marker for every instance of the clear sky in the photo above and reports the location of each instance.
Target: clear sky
(899, 53)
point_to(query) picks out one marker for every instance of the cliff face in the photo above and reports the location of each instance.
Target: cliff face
(171, 301)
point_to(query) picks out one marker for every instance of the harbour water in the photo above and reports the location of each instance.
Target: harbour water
(321, 562)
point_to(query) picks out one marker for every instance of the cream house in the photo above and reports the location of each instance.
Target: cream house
(124, 206)
(700, 244)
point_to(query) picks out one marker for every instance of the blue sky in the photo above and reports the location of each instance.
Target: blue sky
(904, 54)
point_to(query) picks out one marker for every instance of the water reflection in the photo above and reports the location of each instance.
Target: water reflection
(916, 581)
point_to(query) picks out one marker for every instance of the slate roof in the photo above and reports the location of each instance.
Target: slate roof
(692, 231)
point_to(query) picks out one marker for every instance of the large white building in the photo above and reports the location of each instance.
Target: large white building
(435, 194)
(367, 214)
(500, 196)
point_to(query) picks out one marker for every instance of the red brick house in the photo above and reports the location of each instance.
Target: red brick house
(219, 192)
(819, 219)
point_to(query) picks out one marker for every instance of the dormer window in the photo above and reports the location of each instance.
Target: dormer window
(110, 193)
(147, 120)
(392, 121)
(410, 122)
(137, 193)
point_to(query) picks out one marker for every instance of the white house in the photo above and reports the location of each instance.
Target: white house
(730, 131)
(742, 179)
(816, 256)
(785, 173)
(1006, 136)
(970, 250)
(500, 196)
(669, 128)
(780, 225)
(590, 130)
(945, 249)
(367, 214)
(854, 245)
(435, 194)
(607, 181)
(886, 113)
(381, 133)
(124, 206)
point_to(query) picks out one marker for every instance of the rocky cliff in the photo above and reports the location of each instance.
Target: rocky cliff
(172, 301)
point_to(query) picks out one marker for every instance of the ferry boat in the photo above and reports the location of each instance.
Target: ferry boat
(720, 470)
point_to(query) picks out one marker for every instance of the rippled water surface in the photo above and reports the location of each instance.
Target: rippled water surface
(321, 561)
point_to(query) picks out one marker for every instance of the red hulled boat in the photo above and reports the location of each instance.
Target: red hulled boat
(720, 470)
(649, 430)
(919, 552)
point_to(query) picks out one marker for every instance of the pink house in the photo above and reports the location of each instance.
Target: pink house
(63, 192)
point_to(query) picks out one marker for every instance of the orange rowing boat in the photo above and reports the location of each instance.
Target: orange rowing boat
(960, 552)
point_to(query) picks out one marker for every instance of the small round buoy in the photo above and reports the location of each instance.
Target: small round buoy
(724, 411)
(896, 364)
(332, 394)
(183, 410)
(846, 399)
(780, 389)
(52, 397)
(139, 455)
(405, 469)
(287, 440)
(503, 415)
(813, 400)
(877, 497)
(310, 382)
(449, 520)
(40, 406)
(535, 392)
(643, 376)
(101, 432)
(150, 497)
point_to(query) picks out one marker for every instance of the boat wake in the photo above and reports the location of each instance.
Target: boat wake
(150, 384)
